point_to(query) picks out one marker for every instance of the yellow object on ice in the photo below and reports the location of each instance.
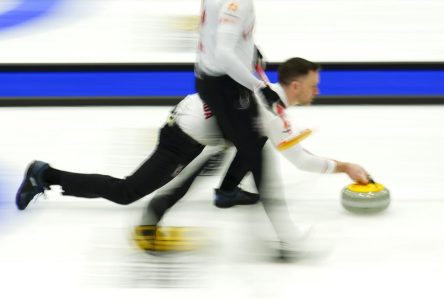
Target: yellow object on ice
(295, 140)
(168, 238)
(366, 188)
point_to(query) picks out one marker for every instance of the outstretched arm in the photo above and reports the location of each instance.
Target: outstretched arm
(289, 146)
(354, 171)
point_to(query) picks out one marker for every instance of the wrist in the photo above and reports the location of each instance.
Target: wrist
(341, 167)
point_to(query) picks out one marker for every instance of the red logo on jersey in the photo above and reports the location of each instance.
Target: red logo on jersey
(281, 113)
(207, 111)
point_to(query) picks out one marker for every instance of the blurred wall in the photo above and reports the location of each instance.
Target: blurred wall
(39, 31)
(144, 49)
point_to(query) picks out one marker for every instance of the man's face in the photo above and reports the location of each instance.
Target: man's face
(305, 89)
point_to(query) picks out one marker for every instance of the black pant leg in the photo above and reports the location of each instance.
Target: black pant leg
(174, 151)
(236, 112)
(236, 172)
(162, 202)
(174, 191)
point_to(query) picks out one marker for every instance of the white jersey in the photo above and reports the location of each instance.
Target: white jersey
(197, 121)
(226, 45)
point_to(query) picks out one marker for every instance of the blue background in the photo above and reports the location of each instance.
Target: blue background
(180, 83)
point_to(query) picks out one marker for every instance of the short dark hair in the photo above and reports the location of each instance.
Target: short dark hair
(295, 67)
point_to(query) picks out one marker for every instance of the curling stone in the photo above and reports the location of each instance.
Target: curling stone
(365, 198)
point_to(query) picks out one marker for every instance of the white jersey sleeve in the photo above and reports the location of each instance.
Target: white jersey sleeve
(286, 139)
(236, 28)
(226, 41)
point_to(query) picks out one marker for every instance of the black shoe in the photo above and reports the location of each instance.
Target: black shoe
(238, 196)
(32, 185)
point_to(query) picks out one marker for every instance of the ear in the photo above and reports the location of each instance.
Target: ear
(295, 85)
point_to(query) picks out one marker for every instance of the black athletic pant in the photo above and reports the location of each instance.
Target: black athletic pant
(236, 112)
(237, 171)
(160, 203)
(174, 151)
(163, 201)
